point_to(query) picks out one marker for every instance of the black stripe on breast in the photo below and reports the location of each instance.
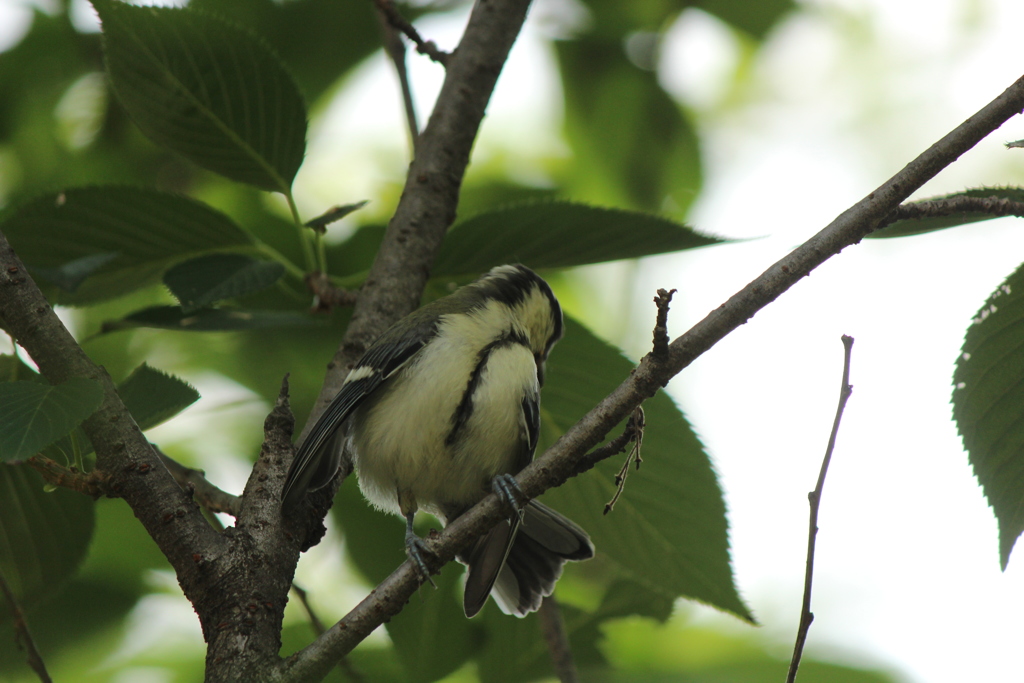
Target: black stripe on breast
(465, 409)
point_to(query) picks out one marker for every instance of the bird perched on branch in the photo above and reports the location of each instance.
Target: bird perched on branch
(443, 408)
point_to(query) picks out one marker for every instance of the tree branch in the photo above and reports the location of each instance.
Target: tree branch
(195, 482)
(22, 633)
(396, 20)
(814, 498)
(395, 49)
(993, 206)
(552, 626)
(124, 458)
(560, 461)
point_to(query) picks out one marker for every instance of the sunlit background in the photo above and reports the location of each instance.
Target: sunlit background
(842, 95)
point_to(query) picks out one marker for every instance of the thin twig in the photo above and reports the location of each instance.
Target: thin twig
(95, 483)
(636, 424)
(424, 47)
(22, 634)
(612, 448)
(552, 627)
(318, 625)
(318, 628)
(326, 296)
(814, 498)
(395, 48)
(194, 481)
(661, 339)
(993, 206)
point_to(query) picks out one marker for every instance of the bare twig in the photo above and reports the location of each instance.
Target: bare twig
(195, 482)
(993, 206)
(636, 424)
(318, 625)
(612, 448)
(325, 295)
(95, 483)
(22, 633)
(552, 627)
(660, 350)
(814, 498)
(395, 48)
(424, 47)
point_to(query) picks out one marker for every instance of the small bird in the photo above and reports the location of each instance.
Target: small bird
(443, 408)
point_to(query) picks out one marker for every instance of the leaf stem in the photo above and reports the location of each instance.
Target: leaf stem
(307, 248)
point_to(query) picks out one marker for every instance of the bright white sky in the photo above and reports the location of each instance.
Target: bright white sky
(844, 94)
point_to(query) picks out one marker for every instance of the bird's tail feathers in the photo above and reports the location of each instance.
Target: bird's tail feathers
(522, 568)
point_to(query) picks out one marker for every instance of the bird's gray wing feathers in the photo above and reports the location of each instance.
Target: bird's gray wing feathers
(316, 459)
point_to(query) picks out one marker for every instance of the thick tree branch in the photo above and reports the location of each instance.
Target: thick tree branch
(130, 468)
(561, 459)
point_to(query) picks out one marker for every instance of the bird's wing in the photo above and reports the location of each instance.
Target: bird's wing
(316, 459)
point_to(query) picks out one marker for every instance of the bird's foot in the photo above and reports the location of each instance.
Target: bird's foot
(506, 488)
(415, 548)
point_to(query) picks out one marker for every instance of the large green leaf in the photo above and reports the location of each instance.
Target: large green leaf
(210, 278)
(632, 144)
(34, 415)
(559, 235)
(918, 226)
(207, 89)
(145, 230)
(988, 405)
(153, 397)
(319, 40)
(668, 531)
(43, 536)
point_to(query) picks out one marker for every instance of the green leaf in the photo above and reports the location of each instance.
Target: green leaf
(207, 89)
(668, 531)
(319, 40)
(147, 230)
(918, 226)
(210, 319)
(204, 280)
(632, 144)
(72, 274)
(559, 235)
(153, 397)
(43, 536)
(34, 415)
(432, 636)
(987, 397)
